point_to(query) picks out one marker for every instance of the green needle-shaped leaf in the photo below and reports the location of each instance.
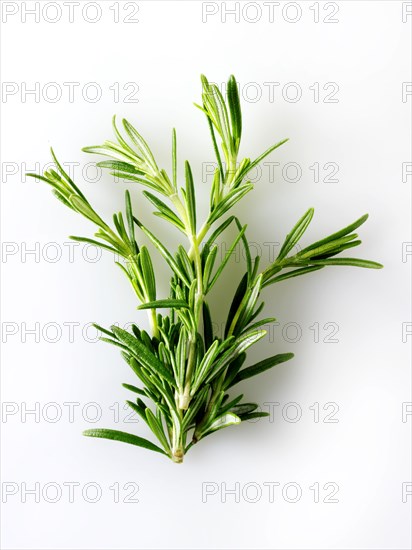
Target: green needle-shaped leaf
(229, 201)
(241, 344)
(190, 198)
(247, 252)
(207, 326)
(227, 419)
(142, 353)
(60, 197)
(195, 407)
(234, 109)
(138, 409)
(230, 405)
(249, 416)
(133, 389)
(261, 157)
(226, 259)
(237, 300)
(84, 208)
(66, 176)
(261, 367)
(141, 144)
(244, 408)
(118, 167)
(337, 235)
(164, 211)
(209, 264)
(124, 437)
(148, 273)
(355, 262)
(157, 429)
(167, 303)
(95, 243)
(295, 234)
(130, 222)
(174, 158)
(233, 368)
(290, 274)
(165, 253)
(203, 369)
(330, 247)
(211, 241)
(246, 309)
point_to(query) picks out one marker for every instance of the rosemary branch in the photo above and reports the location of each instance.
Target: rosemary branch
(184, 369)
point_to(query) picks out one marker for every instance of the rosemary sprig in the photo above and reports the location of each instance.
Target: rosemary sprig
(183, 369)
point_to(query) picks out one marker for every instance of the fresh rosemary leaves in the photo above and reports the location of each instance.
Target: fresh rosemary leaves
(183, 369)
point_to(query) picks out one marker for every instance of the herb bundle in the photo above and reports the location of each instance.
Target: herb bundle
(184, 370)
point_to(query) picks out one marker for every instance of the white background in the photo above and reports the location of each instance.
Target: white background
(366, 374)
